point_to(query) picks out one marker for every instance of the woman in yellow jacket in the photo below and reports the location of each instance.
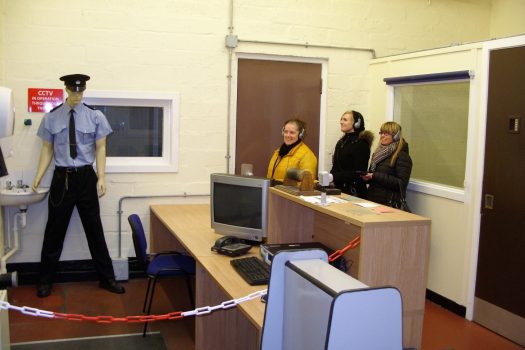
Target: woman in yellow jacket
(293, 153)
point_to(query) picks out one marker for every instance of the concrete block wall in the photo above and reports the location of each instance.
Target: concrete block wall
(178, 46)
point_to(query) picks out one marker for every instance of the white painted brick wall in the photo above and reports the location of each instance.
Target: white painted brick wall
(179, 46)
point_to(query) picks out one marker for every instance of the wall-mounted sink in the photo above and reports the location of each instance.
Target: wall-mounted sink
(22, 196)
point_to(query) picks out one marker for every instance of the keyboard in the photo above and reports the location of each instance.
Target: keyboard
(253, 270)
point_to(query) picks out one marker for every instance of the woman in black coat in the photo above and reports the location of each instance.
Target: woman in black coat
(351, 154)
(390, 166)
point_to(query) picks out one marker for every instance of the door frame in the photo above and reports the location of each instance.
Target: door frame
(480, 161)
(259, 56)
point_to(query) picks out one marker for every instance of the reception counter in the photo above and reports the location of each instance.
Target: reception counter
(393, 251)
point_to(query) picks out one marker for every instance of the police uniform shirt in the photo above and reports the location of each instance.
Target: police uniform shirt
(91, 125)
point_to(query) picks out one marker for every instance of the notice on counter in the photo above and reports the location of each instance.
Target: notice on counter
(318, 200)
(384, 209)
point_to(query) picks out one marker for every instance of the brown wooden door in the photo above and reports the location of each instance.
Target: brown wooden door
(500, 281)
(269, 93)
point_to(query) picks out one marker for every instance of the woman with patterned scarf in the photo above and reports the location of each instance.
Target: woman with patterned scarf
(390, 166)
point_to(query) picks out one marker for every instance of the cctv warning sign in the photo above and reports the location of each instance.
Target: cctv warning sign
(43, 100)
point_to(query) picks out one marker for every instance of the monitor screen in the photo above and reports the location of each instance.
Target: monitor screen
(239, 205)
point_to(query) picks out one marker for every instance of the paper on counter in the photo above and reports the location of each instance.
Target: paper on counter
(317, 199)
(349, 198)
(384, 209)
(367, 204)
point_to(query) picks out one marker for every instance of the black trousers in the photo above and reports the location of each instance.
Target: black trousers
(70, 188)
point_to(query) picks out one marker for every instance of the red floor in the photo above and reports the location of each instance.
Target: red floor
(442, 330)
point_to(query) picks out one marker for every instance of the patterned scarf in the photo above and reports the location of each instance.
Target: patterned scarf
(381, 154)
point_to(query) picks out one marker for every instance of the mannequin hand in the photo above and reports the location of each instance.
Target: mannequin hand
(101, 187)
(35, 184)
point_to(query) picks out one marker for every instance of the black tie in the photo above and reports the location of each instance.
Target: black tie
(72, 135)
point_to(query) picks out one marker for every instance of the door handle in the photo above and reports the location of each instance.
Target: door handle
(489, 201)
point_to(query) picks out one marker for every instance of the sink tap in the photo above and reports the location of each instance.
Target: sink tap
(19, 184)
(9, 185)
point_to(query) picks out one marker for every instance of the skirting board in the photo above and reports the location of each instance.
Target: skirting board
(499, 320)
(446, 303)
(78, 271)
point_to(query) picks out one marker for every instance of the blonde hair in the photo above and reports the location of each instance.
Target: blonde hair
(394, 129)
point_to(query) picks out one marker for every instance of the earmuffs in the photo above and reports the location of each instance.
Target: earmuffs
(301, 133)
(357, 123)
(397, 136)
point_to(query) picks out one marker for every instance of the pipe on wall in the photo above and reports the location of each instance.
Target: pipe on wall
(229, 98)
(16, 234)
(307, 45)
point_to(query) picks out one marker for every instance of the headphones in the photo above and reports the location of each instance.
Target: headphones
(357, 122)
(301, 133)
(397, 136)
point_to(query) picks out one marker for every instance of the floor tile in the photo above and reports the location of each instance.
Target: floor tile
(442, 330)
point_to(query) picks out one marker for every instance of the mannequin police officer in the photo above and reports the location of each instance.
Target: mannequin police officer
(75, 135)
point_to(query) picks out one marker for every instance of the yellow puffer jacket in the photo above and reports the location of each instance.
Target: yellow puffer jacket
(300, 157)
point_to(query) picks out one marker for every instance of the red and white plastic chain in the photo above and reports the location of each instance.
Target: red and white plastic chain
(338, 253)
(204, 310)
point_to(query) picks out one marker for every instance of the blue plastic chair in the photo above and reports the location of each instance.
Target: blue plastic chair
(163, 264)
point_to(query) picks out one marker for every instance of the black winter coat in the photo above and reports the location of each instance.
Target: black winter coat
(351, 153)
(386, 181)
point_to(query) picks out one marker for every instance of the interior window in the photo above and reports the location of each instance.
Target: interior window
(433, 111)
(137, 131)
(434, 118)
(145, 130)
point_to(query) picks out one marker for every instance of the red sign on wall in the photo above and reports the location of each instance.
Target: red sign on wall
(43, 100)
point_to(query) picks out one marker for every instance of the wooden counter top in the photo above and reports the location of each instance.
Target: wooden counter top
(355, 214)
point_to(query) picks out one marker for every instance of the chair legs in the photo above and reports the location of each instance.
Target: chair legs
(150, 291)
(149, 294)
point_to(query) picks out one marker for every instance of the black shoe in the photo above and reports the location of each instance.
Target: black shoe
(44, 290)
(112, 286)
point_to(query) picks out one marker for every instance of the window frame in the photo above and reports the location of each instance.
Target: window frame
(170, 103)
(427, 187)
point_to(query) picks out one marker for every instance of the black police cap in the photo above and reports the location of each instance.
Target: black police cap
(75, 82)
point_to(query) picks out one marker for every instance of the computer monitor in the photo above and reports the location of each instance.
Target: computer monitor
(239, 206)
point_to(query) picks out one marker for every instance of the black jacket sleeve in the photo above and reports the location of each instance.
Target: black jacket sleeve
(400, 176)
